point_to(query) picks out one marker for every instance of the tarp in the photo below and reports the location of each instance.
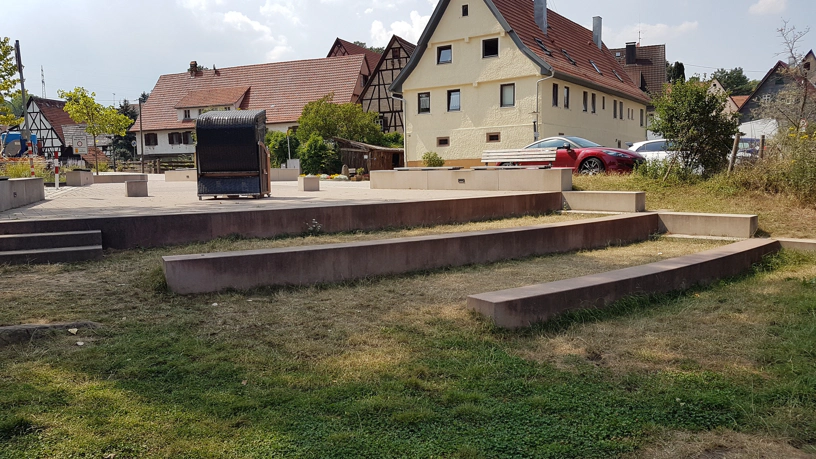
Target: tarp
(756, 129)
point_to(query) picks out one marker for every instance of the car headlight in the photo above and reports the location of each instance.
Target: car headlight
(616, 154)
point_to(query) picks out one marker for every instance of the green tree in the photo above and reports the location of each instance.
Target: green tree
(122, 144)
(143, 97)
(693, 119)
(8, 81)
(281, 145)
(348, 121)
(675, 72)
(376, 49)
(317, 156)
(734, 81)
(98, 119)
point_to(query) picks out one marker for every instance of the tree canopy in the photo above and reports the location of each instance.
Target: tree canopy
(83, 108)
(675, 72)
(122, 144)
(8, 83)
(734, 81)
(376, 49)
(348, 121)
(694, 121)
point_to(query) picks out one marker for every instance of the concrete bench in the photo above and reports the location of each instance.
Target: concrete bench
(605, 201)
(20, 192)
(309, 183)
(510, 179)
(118, 178)
(699, 224)
(524, 306)
(136, 188)
(283, 175)
(78, 178)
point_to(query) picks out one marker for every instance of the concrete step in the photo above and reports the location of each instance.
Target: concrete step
(52, 255)
(34, 241)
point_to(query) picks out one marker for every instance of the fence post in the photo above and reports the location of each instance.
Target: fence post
(761, 147)
(30, 157)
(734, 150)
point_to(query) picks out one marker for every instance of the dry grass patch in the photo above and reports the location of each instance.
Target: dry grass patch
(720, 444)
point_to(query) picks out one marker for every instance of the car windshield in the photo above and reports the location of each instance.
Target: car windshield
(583, 143)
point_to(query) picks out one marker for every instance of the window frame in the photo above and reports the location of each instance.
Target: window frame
(186, 114)
(439, 50)
(484, 51)
(174, 138)
(556, 95)
(465, 11)
(594, 103)
(566, 97)
(586, 102)
(442, 142)
(458, 92)
(614, 109)
(420, 110)
(501, 95)
(151, 139)
(497, 134)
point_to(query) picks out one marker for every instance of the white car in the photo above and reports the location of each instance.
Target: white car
(652, 149)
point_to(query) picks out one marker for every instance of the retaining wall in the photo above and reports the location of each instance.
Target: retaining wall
(20, 192)
(283, 175)
(556, 179)
(521, 307)
(341, 262)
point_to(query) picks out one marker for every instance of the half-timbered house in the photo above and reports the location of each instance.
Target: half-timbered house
(375, 96)
(46, 117)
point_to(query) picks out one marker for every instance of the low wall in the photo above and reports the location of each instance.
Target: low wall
(521, 307)
(605, 201)
(556, 179)
(804, 245)
(169, 229)
(283, 175)
(698, 224)
(78, 178)
(118, 178)
(20, 192)
(341, 262)
(181, 175)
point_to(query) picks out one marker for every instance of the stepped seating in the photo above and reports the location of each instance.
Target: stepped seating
(40, 248)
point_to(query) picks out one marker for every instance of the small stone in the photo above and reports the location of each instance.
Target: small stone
(215, 304)
(244, 382)
(80, 343)
(73, 331)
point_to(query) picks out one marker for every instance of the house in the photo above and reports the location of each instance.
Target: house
(344, 48)
(496, 74)
(783, 83)
(57, 132)
(167, 121)
(732, 103)
(375, 96)
(645, 65)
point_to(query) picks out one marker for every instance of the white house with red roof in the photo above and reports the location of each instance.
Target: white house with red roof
(281, 88)
(497, 74)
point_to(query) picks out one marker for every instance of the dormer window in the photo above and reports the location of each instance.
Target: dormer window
(444, 55)
(595, 67)
(543, 48)
(616, 74)
(186, 114)
(569, 58)
(807, 65)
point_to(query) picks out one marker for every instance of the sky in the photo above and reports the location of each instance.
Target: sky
(119, 48)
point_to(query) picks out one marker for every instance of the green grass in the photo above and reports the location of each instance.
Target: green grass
(396, 367)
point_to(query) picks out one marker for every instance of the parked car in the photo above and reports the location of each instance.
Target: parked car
(653, 149)
(582, 155)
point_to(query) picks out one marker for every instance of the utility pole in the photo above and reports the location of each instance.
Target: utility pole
(25, 136)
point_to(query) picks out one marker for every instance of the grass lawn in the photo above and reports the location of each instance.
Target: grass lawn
(396, 367)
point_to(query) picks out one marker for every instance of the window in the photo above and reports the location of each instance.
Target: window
(641, 117)
(444, 55)
(453, 100)
(508, 95)
(595, 66)
(493, 137)
(552, 143)
(464, 10)
(443, 141)
(603, 102)
(807, 65)
(555, 95)
(384, 123)
(616, 74)
(424, 102)
(187, 137)
(614, 108)
(174, 138)
(395, 53)
(620, 109)
(200, 110)
(593, 102)
(766, 98)
(151, 140)
(566, 97)
(490, 47)
(543, 48)
(186, 114)
(586, 101)
(569, 58)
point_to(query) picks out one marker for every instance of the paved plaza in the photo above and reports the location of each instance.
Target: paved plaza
(109, 200)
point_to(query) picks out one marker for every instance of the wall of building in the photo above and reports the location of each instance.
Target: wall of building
(165, 149)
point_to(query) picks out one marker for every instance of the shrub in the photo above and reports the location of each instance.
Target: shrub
(317, 157)
(432, 159)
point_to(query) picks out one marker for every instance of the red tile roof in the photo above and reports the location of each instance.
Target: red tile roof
(650, 64)
(740, 100)
(576, 40)
(280, 88)
(212, 97)
(54, 112)
(351, 49)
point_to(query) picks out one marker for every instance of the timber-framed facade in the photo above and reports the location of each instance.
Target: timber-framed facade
(376, 97)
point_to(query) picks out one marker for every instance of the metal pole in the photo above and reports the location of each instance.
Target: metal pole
(30, 156)
(141, 133)
(56, 170)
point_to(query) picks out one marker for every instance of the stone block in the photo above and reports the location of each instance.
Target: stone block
(136, 188)
(605, 201)
(181, 175)
(118, 178)
(698, 224)
(309, 183)
(283, 175)
(78, 178)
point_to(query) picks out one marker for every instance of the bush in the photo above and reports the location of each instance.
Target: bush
(280, 147)
(317, 157)
(432, 159)
(656, 169)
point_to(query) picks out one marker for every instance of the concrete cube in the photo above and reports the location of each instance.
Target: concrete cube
(309, 183)
(136, 188)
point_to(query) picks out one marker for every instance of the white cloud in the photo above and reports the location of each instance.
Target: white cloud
(279, 45)
(651, 33)
(286, 9)
(768, 7)
(409, 31)
(369, 10)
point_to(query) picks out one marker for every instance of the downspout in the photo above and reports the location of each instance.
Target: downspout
(538, 103)
(404, 126)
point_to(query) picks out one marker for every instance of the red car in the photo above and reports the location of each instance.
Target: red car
(581, 155)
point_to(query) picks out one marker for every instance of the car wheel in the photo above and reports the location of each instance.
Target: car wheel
(591, 166)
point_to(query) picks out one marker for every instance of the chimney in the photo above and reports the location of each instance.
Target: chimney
(193, 68)
(540, 7)
(631, 53)
(597, 23)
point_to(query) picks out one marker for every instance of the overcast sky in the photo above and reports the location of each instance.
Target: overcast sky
(122, 47)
